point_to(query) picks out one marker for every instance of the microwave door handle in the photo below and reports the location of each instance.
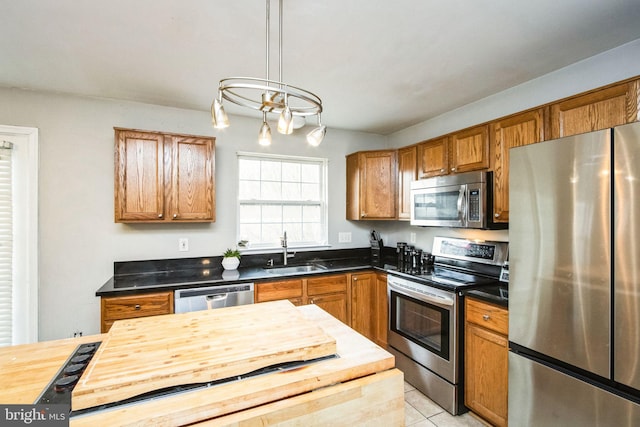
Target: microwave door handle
(461, 203)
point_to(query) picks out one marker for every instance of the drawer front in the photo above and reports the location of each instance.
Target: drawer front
(272, 291)
(127, 307)
(327, 284)
(490, 316)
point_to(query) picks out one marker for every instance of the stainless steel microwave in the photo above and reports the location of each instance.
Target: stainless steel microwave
(461, 200)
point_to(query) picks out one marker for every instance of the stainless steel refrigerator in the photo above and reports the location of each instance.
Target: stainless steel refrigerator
(574, 288)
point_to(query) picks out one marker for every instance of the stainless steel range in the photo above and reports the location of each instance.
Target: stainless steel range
(426, 319)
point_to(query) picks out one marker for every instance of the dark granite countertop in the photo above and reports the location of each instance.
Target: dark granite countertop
(134, 277)
(498, 294)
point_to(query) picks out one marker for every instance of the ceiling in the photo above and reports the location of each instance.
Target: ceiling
(379, 66)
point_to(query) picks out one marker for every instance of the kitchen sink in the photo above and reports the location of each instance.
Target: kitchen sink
(295, 269)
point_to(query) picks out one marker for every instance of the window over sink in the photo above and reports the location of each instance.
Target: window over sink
(279, 193)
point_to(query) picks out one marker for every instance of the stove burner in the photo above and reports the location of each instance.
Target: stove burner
(81, 359)
(89, 349)
(65, 383)
(74, 369)
(58, 391)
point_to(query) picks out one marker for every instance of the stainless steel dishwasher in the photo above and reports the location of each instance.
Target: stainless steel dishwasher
(208, 298)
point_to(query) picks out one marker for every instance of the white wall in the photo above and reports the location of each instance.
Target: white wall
(79, 240)
(612, 66)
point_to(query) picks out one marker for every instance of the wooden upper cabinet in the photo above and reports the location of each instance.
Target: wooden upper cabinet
(601, 109)
(371, 185)
(469, 149)
(191, 190)
(164, 177)
(407, 172)
(433, 158)
(139, 186)
(515, 131)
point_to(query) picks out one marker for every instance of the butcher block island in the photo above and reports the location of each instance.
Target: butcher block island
(261, 364)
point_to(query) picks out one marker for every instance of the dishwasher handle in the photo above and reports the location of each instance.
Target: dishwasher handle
(212, 299)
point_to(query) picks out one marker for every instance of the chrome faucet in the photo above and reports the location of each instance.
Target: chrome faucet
(285, 252)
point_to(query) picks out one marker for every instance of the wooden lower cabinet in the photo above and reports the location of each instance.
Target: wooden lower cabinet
(290, 289)
(356, 299)
(330, 294)
(363, 303)
(486, 360)
(381, 310)
(132, 306)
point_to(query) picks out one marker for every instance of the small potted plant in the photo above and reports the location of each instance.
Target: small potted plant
(231, 259)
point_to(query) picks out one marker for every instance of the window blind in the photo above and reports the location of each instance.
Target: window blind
(6, 246)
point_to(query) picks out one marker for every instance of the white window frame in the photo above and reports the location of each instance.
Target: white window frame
(25, 193)
(324, 209)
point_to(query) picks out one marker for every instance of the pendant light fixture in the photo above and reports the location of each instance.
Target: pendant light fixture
(292, 103)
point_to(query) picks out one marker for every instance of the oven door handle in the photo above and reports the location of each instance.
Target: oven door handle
(433, 299)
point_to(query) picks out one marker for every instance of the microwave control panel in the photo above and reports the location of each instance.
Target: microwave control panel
(474, 205)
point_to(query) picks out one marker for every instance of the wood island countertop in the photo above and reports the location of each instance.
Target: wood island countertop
(360, 386)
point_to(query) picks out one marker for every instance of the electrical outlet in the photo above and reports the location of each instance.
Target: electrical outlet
(77, 334)
(344, 237)
(183, 244)
(412, 237)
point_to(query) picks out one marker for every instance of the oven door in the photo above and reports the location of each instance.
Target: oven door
(422, 325)
(439, 206)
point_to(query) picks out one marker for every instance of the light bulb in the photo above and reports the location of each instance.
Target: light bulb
(285, 123)
(219, 118)
(264, 138)
(315, 137)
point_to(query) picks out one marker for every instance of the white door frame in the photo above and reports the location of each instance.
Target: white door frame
(26, 238)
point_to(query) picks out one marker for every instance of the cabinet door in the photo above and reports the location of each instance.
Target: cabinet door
(132, 306)
(407, 172)
(334, 304)
(378, 184)
(139, 187)
(486, 374)
(470, 149)
(282, 289)
(353, 187)
(382, 310)
(433, 158)
(597, 110)
(363, 304)
(515, 131)
(190, 187)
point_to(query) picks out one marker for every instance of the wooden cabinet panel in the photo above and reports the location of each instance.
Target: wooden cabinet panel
(433, 158)
(282, 289)
(515, 131)
(139, 187)
(371, 185)
(320, 285)
(164, 177)
(407, 172)
(470, 149)
(490, 316)
(334, 304)
(190, 186)
(486, 374)
(486, 360)
(382, 310)
(604, 108)
(132, 306)
(363, 304)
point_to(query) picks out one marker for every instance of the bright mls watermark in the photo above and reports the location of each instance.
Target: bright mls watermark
(34, 415)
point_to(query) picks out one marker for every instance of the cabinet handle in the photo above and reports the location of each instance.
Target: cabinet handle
(442, 170)
(497, 215)
(137, 307)
(312, 302)
(453, 169)
(159, 215)
(486, 317)
(363, 215)
(175, 216)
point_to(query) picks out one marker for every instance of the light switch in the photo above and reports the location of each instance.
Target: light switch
(183, 244)
(344, 237)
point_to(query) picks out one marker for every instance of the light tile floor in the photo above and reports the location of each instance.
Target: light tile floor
(420, 411)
